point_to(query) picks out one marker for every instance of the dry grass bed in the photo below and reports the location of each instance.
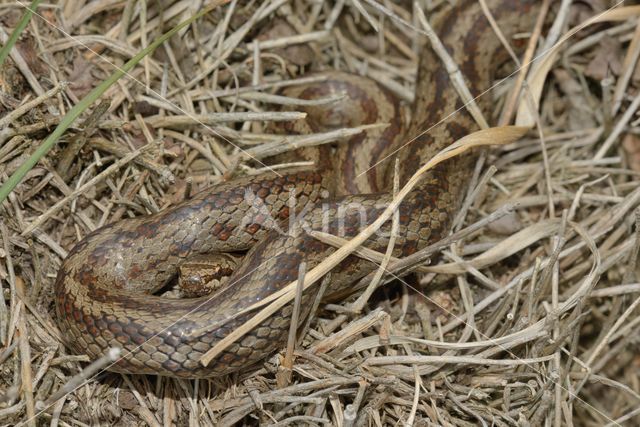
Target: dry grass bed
(527, 315)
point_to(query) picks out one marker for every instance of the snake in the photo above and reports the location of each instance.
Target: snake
(106, 288)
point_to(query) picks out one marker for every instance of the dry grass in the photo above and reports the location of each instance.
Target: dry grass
(527, 315)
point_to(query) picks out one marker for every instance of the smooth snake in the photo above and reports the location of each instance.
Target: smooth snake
(104, 287)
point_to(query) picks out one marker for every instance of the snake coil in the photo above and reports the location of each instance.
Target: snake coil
(103, 287)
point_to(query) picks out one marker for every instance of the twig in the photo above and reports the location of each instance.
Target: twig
(510, 106)
(28, 106)
(358, 305)
(111, 356)
(287, 364)
(26, 374)
(80, 190)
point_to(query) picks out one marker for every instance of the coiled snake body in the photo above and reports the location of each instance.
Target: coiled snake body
(103, 287)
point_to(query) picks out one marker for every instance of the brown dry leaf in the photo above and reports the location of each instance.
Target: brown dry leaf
(580, 111)
(506, 248)
(506, 225)
(181, 53)
(127, 400)
(81, 77)
(631, 146)
(585, 9)
(607, 60)
(29, 51)
(538, 74)
(145, 109)
(298, 54)
(443, 303)
(365, 38)
(177, 192)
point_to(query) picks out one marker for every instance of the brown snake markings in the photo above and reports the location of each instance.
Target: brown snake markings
(102, 287)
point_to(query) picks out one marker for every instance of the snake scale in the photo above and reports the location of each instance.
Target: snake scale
(103, 291)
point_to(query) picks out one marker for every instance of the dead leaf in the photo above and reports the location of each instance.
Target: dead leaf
(127, 400)
(607, 60)
(580, 112)
(182, 55)
(81, 77)
(298, 54)
(580, 11)
(177, 192)
(28, 50)
(506, 225)
(145, 109)
(443, 303)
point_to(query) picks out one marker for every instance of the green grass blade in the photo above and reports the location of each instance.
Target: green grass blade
(13, 38)
(90, 98)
